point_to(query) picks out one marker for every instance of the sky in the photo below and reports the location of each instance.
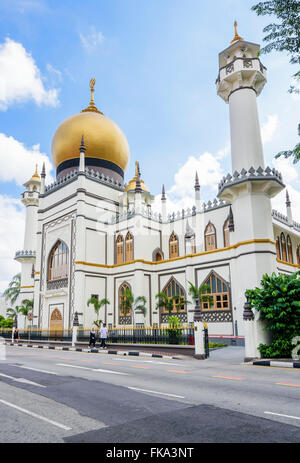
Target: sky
(155, 64)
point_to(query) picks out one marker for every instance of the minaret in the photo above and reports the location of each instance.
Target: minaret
(27, 256)
(163, 204)
(289, 209)
(241, 79)
(82, 150)
(251, 186)
(43, 178)
(197, 193)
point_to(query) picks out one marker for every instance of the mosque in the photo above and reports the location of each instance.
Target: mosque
(89, 234)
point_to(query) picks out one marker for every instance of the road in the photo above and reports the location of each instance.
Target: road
(65, 396)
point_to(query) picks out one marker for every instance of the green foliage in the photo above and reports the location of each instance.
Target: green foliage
(169, 303)
(283, 36)
(12, 292)
(278, 302)
(174, 326)
(200, 293)
(6, 322)
(129, 303)
(97, 304)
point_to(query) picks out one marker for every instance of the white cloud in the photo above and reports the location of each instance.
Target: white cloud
(12, 228)
(278, 203)
(286, 168)
(269, 128)
(92, 39)
(18, 162)
(55, 72)
(20, 78)
(181, 195)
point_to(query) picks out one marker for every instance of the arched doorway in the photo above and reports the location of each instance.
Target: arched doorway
(56, 324)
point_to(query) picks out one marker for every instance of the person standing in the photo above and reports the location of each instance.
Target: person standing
(16, 336)
(92, 337)
(103, 336)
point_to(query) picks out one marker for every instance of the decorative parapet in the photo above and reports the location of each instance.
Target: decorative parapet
(175, 216)
(105, 179)
(25, 254)
(62, 181)
(280, 217)
(284, 219)
(239, 64)
(90, 173)
(296, 225)
(251, 174)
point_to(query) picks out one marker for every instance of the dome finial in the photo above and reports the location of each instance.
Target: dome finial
(92, 107)
(236, 35)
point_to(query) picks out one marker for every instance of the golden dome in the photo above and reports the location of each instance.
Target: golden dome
(35, 177)
(103, 139)
(132, 184)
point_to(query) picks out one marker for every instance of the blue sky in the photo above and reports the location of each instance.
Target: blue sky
(155, 63)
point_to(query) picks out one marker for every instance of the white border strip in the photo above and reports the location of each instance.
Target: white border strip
(62, 426)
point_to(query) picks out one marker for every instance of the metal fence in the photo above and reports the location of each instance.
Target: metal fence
(181, 335)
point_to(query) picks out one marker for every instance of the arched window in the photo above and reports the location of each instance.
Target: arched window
(210, 237)
(173, 288)
(124, 315)
(278, 253)
(128, 247)
(283, 248)
(298, 254)
(157, 255)
(58, 267)
(173, 246)
(119, 249)
(226, 233)
(219, 292)
(289, 249)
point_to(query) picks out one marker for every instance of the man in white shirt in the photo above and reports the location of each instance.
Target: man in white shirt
(103, 335)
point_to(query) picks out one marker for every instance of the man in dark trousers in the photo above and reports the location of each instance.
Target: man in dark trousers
(103, 335)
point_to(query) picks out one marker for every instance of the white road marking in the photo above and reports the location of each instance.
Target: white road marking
(22, 380)
(149, 361)
(62, 426)
(92, 369)
(36, 369)
(285, 416)
(155, 392)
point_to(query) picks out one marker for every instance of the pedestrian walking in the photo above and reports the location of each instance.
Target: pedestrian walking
(103, 336)
(16, 335)
(92, 337)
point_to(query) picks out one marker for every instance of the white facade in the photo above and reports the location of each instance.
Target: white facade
(87, 211)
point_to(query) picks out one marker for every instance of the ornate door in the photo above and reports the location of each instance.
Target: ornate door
(56, 324)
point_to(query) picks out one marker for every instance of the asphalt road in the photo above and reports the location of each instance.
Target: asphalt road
(57, 396)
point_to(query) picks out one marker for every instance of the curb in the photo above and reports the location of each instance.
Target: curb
(96, 351)
(273, 363)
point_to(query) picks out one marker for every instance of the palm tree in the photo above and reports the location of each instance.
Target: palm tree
(129, 303)
(165, 302)
(27, 306)
(12, 292)
(12, 313)
(97, 305)
(200, 294)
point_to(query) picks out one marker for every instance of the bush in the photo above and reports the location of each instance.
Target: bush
(278, 301)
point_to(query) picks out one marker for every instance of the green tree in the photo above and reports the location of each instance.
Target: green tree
(27, 306)
(278, 302)
(129, 303)
(14, 312)
(12, 292)
(283, 36)
(97, 305)
(200, 293)
(169, 303)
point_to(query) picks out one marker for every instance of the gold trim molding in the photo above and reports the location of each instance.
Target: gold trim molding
(234, 246)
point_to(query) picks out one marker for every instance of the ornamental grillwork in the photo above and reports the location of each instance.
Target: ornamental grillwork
(217, 316)
(57, 284)
(182, 317)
